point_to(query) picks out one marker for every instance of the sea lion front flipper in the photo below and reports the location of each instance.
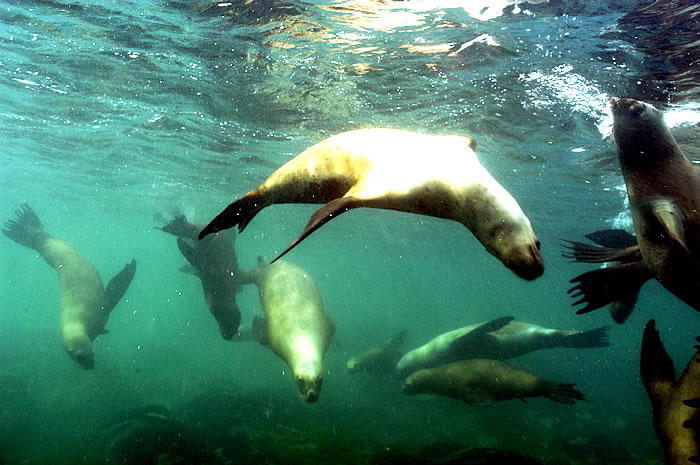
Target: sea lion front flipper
(479, 397)
(117, 286)
(189, 253)
(465, 343)
(564, 393)
(600, 287)
(259, 332)
(655, 366)
(238, 213)
(323, 215)
(587, 253)
(671, 219)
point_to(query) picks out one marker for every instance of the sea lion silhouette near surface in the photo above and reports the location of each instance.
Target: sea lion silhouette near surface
(85, 302)
(499, 339)
(485, 382)
(437, 176)
(213, 260)
(664, 195)
(295, 326)
(676, 404)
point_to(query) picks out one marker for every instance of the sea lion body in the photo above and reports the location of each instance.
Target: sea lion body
(438, 176)
(295, 326)
(215, 263)
(675, 404)
(664, 197)
(485, 382)
(499, 339)
(85, 303)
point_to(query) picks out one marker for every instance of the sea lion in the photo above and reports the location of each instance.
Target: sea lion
(213, 260)
(85, 303)
(392, 169)
(485, 382)
(499, 339)
(295, 325)
(379, 362)
(675, 403)
(664, 197)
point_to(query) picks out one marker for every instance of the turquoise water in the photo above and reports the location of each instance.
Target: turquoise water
(115, 114)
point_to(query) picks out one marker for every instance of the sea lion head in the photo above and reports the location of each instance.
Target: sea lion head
(416, 383)
(514, 243)
(352, 365)
(639, 130)
(309, 378)
(79, 348)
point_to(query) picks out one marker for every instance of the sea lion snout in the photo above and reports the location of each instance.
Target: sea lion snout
(528, 264)
(310, 389)
(628, 106)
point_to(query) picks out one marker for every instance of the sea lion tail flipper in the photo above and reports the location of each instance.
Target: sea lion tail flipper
(117, 286)
(323, 215)
(587, 253)
(600, 287)
(27, 229)
(189, 253)
(564, 393)
(655, 366)
(180, 227)
(238, 213)
(587, 339)
(613, 238)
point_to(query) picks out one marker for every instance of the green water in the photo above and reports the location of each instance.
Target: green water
(115, 112)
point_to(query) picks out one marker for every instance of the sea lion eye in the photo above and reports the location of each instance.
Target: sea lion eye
(538, 244)
(636, 109)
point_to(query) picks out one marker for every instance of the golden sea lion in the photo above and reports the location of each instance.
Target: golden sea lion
(214, 262)
(392, 169)
(676, 404)
(295, 325)
(664, 196)
(485, 382)
(379, 361)
(499, 339)
(85, 302)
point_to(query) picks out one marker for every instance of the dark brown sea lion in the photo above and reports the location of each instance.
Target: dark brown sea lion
(664, 196)
(676, 404)
(214, 262)
(379, 362)
(295, 326)
(499, 339)
(392, 169)
(485, 382)
(85, 303)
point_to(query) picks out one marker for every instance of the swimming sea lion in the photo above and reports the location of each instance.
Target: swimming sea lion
(214, 262)
(664, 196)
(379, 361)
(499, 339)
(295, 325)
(675, 403)
(392, 169)
(485, 382)
(85, 302)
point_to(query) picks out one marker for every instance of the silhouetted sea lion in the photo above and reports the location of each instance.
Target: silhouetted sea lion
(379, 361)
(295, 325)
(214, 262)
(85, 302)
(499, 339)
(392, 169)
(676, 404)
(664, 196)
(485, 382)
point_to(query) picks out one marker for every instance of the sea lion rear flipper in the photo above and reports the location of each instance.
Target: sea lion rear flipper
(117, 286)
(587, 339)
(180, 227)
(613, 238)
(323, 215)
(587, 253)
(464, 343)
(600, 287)
(27, 229)
(238, 213)
(671, 219)
(655, 366)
